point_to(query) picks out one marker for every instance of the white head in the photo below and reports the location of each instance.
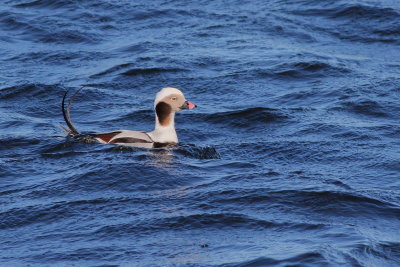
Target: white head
(165, 92)
(168, 101)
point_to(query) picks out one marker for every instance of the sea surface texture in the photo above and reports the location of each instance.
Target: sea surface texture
(292, 157)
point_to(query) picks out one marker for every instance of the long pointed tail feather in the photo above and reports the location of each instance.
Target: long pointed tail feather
(67, 113)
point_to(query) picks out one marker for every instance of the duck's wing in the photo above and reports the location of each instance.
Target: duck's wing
(123, 137)
(105, 137)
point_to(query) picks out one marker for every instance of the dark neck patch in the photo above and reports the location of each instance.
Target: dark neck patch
(163, 111)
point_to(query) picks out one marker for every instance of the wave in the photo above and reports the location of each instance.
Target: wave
(7, 144)
(73, 146)
(361, 23)
(67, 36)
(52, 57)
(32, 104)
(137, 71)
(363, 12)
(194, 221)
(44, 33)
(381, 253)
(302, 259)
(325, 202)
(112, 69)
(18, 217)
(47, 4)
(364, 106)
(72, 256)
(246, 118)
(144, 71)
(299, 70)
(30, 90)
(311, 69)
(352, 11)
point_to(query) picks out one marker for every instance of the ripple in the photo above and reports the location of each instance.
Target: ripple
(290, 159)
(194, 151)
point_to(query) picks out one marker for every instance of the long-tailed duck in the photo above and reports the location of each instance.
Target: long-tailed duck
(168, 101)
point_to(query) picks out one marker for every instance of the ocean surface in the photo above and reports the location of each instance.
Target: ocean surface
(292, 157)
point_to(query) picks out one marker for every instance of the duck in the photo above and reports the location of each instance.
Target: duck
(167, 102)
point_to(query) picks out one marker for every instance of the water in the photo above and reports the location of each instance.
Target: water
(291, 159)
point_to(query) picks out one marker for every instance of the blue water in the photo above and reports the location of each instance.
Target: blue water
(292, 157)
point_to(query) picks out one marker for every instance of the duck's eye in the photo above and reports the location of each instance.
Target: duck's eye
(173, 98)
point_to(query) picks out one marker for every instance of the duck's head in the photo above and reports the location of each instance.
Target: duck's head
(170, 100)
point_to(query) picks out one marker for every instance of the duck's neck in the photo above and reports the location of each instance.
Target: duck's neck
(165, 132)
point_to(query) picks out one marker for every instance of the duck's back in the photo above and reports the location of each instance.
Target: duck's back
(123, 137)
